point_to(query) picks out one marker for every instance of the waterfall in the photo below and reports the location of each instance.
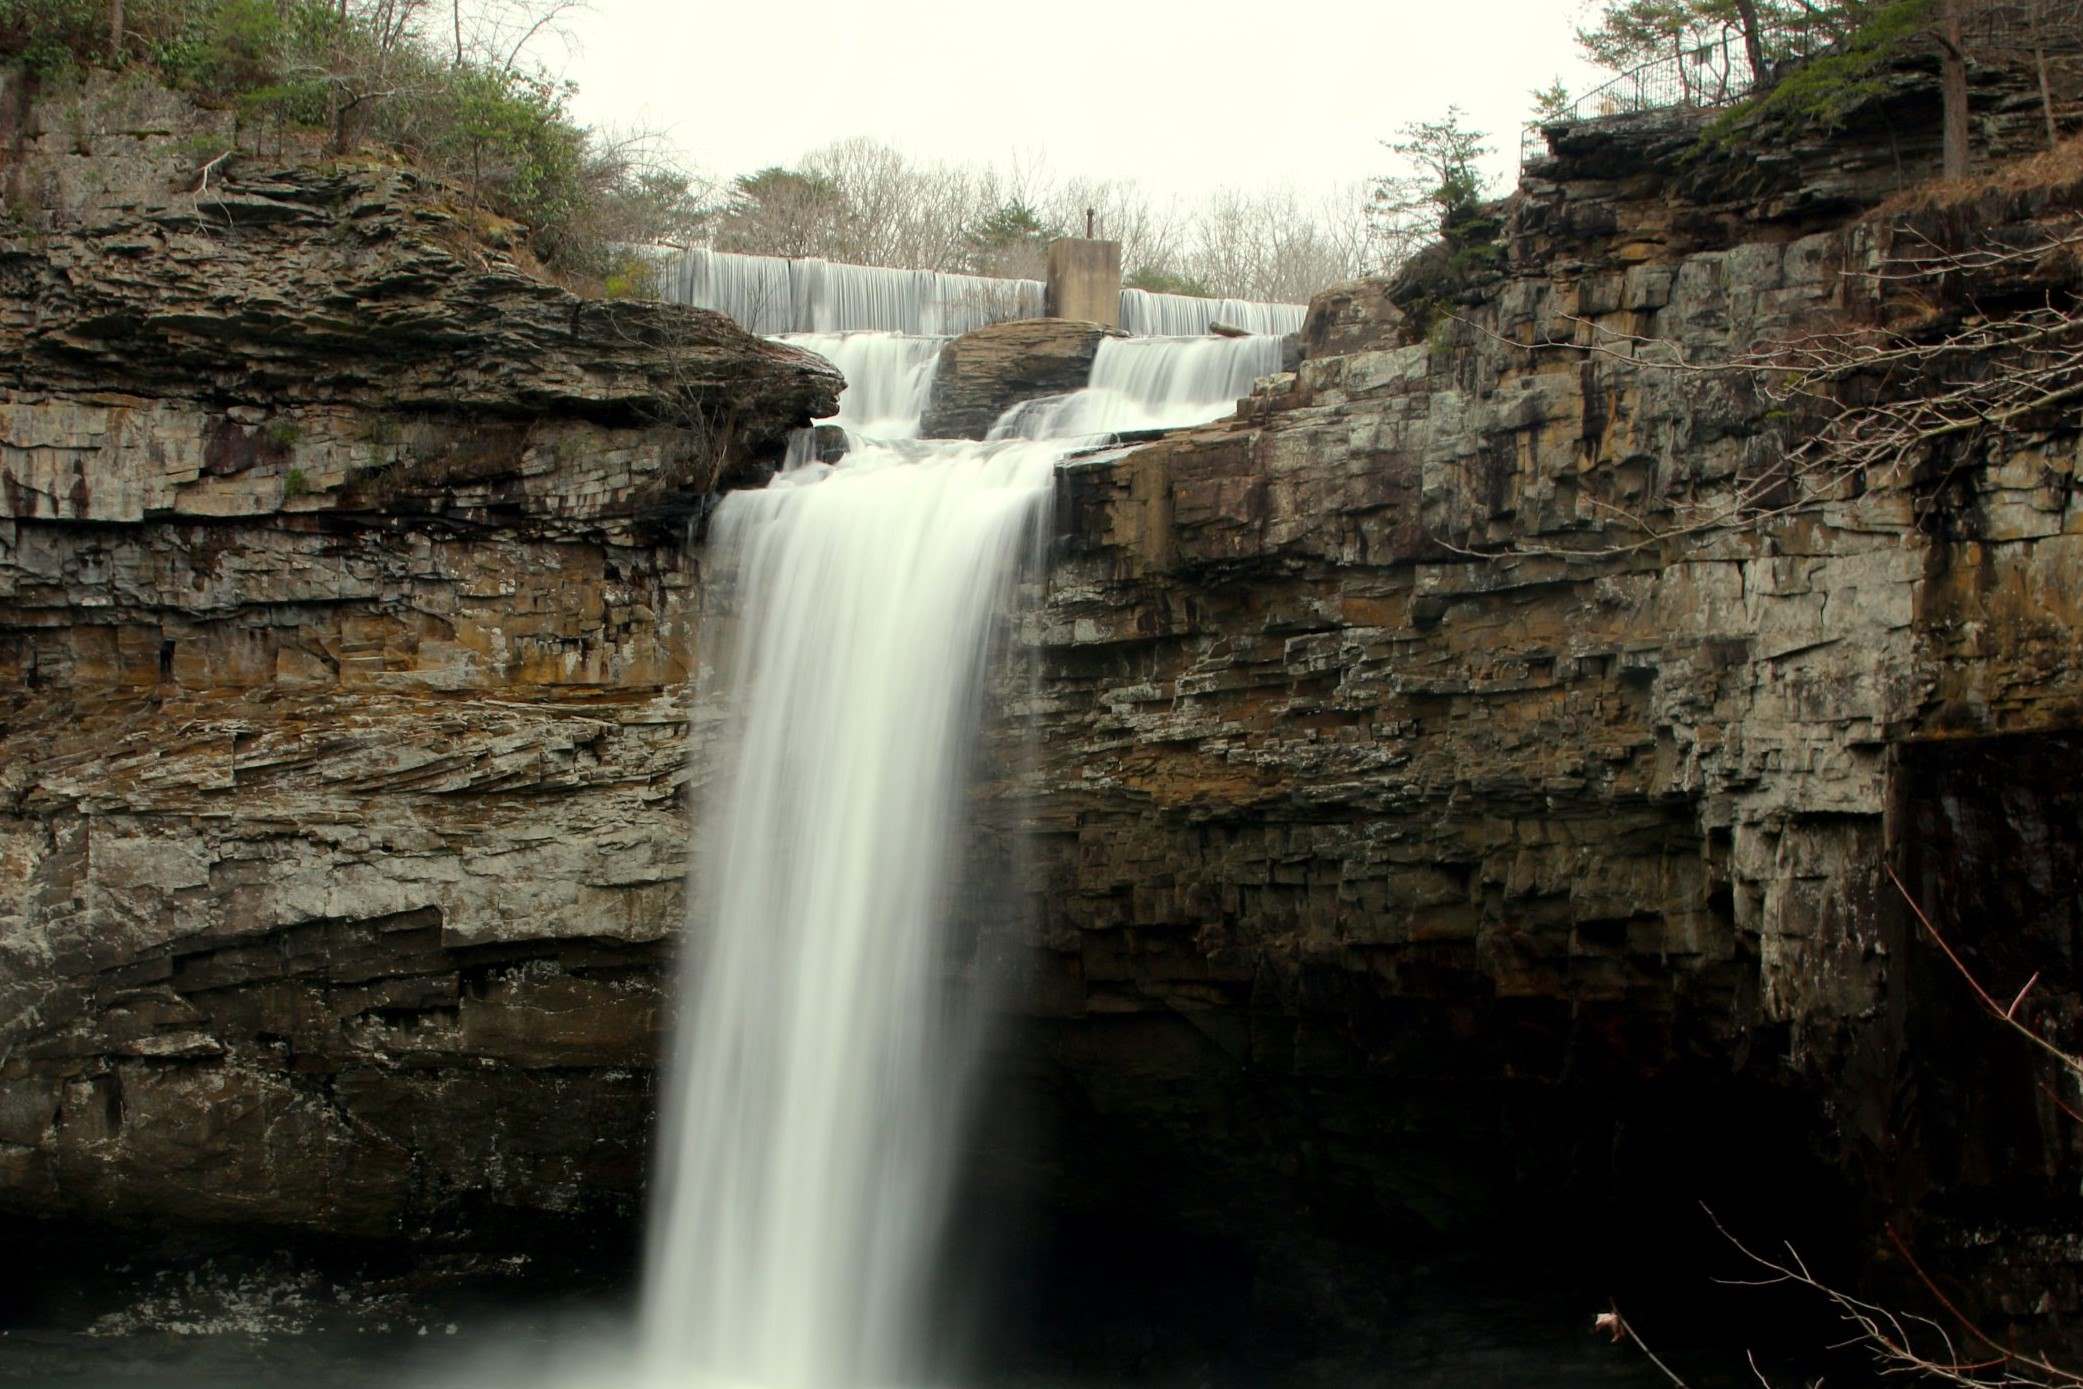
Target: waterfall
(1183, 315)
(889, 377)
(1149, 383)
(768, 294)
(817, 1083)
(771, 294)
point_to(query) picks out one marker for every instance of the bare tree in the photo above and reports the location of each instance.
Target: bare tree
(1952, 77)
(1753, 35)
(2040, 30)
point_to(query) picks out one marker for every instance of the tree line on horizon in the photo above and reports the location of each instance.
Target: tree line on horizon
(861, 201)
(454, 88)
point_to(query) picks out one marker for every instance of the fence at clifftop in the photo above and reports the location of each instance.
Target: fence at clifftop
(1718, 71)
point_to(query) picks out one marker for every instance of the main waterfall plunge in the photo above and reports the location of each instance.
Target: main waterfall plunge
(818, 1085)
(817, 1089)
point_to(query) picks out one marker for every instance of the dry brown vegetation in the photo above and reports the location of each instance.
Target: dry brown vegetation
(2056, 172)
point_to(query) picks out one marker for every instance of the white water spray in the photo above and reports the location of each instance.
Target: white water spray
(817, 1087)
(1149, 383)
(819, 1081)
(889, 378)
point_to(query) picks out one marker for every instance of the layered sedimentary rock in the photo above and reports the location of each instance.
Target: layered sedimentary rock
(1410, 750)
(985, 372)
(1410, 837)
(343, 659)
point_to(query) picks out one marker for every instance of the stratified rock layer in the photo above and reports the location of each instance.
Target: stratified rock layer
(983, 373)
(1416, 784)
(343, 687)
(1413, 846)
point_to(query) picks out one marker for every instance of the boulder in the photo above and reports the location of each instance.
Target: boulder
(984, 373)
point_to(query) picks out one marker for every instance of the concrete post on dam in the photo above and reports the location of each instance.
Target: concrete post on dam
(1084, 281)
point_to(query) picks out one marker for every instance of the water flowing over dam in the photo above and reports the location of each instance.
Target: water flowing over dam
(817, 1088)
(770, 294)
(1147, 314)
(773, 294)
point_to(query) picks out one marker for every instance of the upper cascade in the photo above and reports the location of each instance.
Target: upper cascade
(775, 294)
(1149, 383)
(889, 377)
(1135, 385)
(770, 294)
(1145, 314)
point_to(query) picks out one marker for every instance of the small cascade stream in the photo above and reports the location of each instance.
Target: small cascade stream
(889, 378)
(1149, 383)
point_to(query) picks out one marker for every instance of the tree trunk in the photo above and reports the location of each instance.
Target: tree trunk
(1953, 86)
(456, 9)
(115, 32)
(1753, 41)
(2039, 60)
(2039, 63)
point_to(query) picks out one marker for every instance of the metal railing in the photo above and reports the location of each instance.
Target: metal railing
(1710, 71)
(1716, 70)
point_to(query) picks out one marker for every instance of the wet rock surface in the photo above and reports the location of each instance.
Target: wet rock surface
(984, 373)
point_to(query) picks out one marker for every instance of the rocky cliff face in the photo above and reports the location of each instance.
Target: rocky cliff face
(1417, 782)
(1414, 847)
(343, 657)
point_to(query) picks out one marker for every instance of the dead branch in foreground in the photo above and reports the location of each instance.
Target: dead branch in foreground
(2005, 1014)
(1907, 1344)
(1871, 405)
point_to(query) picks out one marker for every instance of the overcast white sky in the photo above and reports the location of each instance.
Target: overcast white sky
(1182, 97)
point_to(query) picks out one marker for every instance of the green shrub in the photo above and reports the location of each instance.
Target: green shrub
(49, 37)
(1166, 282)
(630, 277)
(505, 135)
(1821, 91)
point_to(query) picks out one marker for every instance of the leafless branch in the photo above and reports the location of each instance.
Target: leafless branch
(1620, 1328)
(1862, 407)
(2008, 1016)
(202, 179)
